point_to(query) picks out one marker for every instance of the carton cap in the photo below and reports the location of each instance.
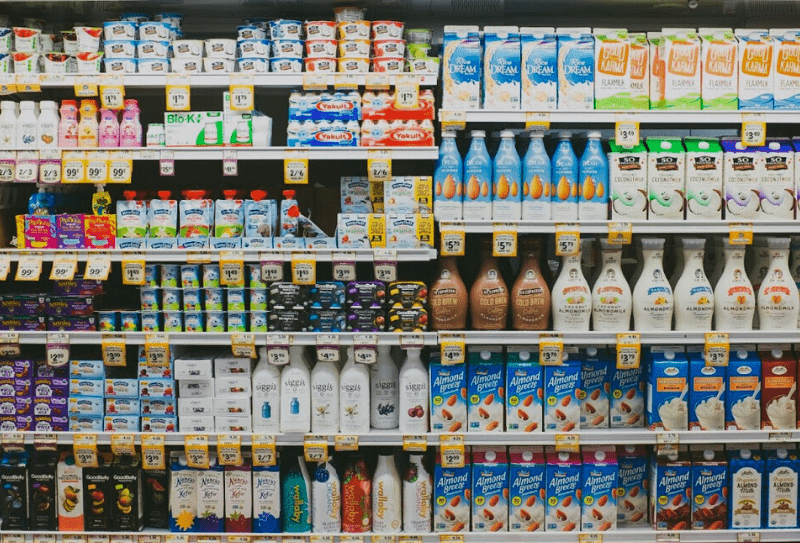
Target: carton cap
(527, 456)
(478, 134)
(746, 454)
(708, 454)
(782, 453)
(703, 145)
(563, 456)
(600, 456)
(774, 145)
(490, 456)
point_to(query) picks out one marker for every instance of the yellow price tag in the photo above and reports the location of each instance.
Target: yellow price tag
(304, 268)
(156, 350)
(242, 93)
(626, 133)
(667, 443)
(453, 239)
(453, 348)
(504, 239)
(96, 167)
(538, 120)
(153, 452)
(178, 92)
(754, 130)
(345, 443)
(379, 166)
(8, 84)
(112, 92)
(315, 81)
(415, 443)
(551, 349)
(29, 267)
(590, 537)
(620, 233)
(741, 233)
(13, 441)
(568, 443)
(133, 269)
(347, 82)
(113, 346)
(244, 345)
(85, 86)
(451, 449)
(295, 168)
(629, 350)
(123, 444)
(231, 268)
(717, 349)
(198, 257)
(568, 239)
(315, 449)
(406, 91)
(9, 345)
(377, 81)
(29, 83)
(196, 449)
(453, 119)
(120, 167)
(64, 267)
(73, 167)
(84, 448)
(229, 449)
(263, 448)
(98, 266)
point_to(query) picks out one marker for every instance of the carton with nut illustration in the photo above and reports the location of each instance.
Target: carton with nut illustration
(451, 497)
(524, 390)
(527, 489)
(448, 396)
(746, 468)
(562, 411)
(563, 493)
(781, 484)
(627, 397)
(599, 494)
(594, 394)
(485, 385)
(632, 486)
(489, 489)
(709, 489)
(671, 491)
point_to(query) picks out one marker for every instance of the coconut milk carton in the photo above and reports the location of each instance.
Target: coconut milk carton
(526, 489)
(681, 54)
(461, 73)
(671, 491)
(448, 396)
(668, 388)
(612, 63)
(706, 394)
(703, 178)
(451, 497)
(599, 494)
(628, 182)
(640, 71)
(778, 388)
(756, 85)
(489, 489)
(562, 407)
(563, 476)
(786, 68)
(781, 488)
(627, 397)
(656, 61)
(746, 467)
(777, 186)
(575, 68)
(666, 184)
(485, 389)
(720, 78)
(524, 389)
(501, 67)
(740, 179)
(539, 68)
(594, 394)
(709, 489)
(632, 489)
(743, 390)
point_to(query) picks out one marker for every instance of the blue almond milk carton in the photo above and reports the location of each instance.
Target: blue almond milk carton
(485, 389)
(575, 68)
(632, 486)
(563, 476)
(709, 488)
(781, 493)
(706, 394)
(451, 497)
(562, 411)
(595, 388)
(539, 68)
(668, 388)
(489, 489)
(746, 483)
(448, 396)
(743, 390)
(501, 67)
(627, 397)
(461, 67)
(526, 489)
(524, 389)
(600, 483)
(671, 491)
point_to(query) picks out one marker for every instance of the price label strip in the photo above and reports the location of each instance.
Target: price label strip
(590, 538)
(196, 449)
(96, 167)
(453, 239)
(27, 167)
(85, 86)
(244, 346)
(451, 448)
(123, 444)
(295, 168)
(57, 349)
(345, 82)
(740, 233)
(537, 120)
(568, 443)
(112, 92)
(178, 92)
(314, 81)
(12, 441)
(231, 268)
(551, 349)
(717, 349)
(568, 239)
(504, 239)
(49, 167)
(365, 348)
(626, 133)
(8, 166)
(98, 266)
(406, 91)
(620, 233)
(229, 449)
(304, 268)
(64, 267)
(754, 130)
(278, 349)
(9, 345)
(315, 449)
(113, 347)
(230, 163)
(452, 119)
(385, 265)
(345, 443)
(263, 449)
(153, 452)
(29, 267)
(8, 84)
(328, 347)
(242, 93)
(29, 83)
(415, 443)
(377, 81)
(453, 348)
(84, 448)
(379, 166)
(271, 267)
(629, 350)
(344, 265)
(73, 167)
(133, 265)
(667, 443)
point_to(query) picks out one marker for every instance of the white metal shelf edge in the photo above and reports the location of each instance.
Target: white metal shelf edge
(638, 227)
(643, 116)
(502, 337)
(278, 153)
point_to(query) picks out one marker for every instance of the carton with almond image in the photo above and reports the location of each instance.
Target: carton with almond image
(720, 78)
(671, 491)
(489, 489)
(563, 476)
(451, 496)
(599, 494)
(680, 50)
(709, 489)
(527, 489)
(612, 69)
(632, 489)
(448, 396)
(485, 389)
(525, 392)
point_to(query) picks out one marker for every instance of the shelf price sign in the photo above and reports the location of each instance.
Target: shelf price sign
(196, 449)
(112, 92)
(8, 84)
(64, 267)
(73, 167)
(57, 349)
(96, 167)
(84, 447)
(629, 350)
(133, 265)
(344, 265)
(231, 268)
(120, 166)
(328, 347)
(406, 91)
(304, 268)
(379, 165)
(620, 233)
(626, 133)
(49, 166)
(717, 349)
(551, 349)
(415, 443)
(156, 349)
(29, 83)
(568, 239)
(113, 346)
(568, 443)
(166, 163)
(271, 266)
(377, 81)
(98, 266)
(385, 265)
(315, 448)
(5, 266)
(453, 347)
(153, 452)
(345, 443)
(264, 450)
(754, 130)
(230, 163)
(244, 345)
(178, 92)
(315, 81)
(85, 86)
(123, 444)
(278, 349)
(9, 345)
(295, 168)
(242, 93)
(453, 119)
(453, 238)
(740, 233)
(365, 348)
(504, 239)
(537, 120)
(29, 267)
(452, 451)
(229, 449)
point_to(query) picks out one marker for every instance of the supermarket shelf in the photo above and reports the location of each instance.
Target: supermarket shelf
(224, 338)
(638, 227)
(279, 153)
(250, 255)
(501, 337)
(694, 118)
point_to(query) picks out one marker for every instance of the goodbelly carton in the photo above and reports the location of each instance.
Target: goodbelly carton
(746, 467)
(628, 181)
(563, 476)
(632, 489)
(656, 61)
(720, 77)
(703, 178)
(539, 68)
(709, 489)
(526, 489)
(756, 84)
(612, 64)
(640, 71)
(524, 389)
(777, 186)
(575, 68)
(451, 496)
(501, 67)
(489, 489)
(461, 67)
(786, 68)
(599, 494)
(740, 179)
(681, 53)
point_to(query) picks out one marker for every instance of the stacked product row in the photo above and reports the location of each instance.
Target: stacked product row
(70, 306)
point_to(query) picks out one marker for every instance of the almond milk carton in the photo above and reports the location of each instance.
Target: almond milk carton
(539, 68)
(501, 67)
(740, 179)
(786, 68)
(746, 467)
(720, 78)
(743, 405)
(709, 489)
(599, 495)
(656, 61)
(524, 389)
(612, 56)
(781, 487)
(595, 389)
(485, 389)
(526, 489)
(563, 476)
(461, 67)
(640, 71)
(777, 186)
(448, 396)
(451, 496)
(575, 68)
(632, 490)
(778, 388)
(756, 85)
(671, 491)
(681, 54)
(489, 489)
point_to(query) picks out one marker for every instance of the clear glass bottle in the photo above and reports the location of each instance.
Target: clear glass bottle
(611, 295)
(653, 300)
(778, 296)
(694, 298)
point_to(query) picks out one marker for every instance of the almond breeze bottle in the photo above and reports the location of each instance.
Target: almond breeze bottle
(564, 168)
(694, 299)
(448, 180)
(653, 301)
(734, 297)
(777, 296)
(537, 181)
(68, 127)
(478, 180)
(611, 295)
(506, 193)
(593, 203)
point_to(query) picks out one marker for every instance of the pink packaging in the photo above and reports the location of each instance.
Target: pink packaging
(108, 131)
(397, 134)
(40, 232)
(380, 105)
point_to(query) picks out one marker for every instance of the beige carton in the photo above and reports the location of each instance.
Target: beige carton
(786, 67)
(680, 49)
(756, 84)
(640, 71)
(720, 77)
(612, 50)
(656, 62)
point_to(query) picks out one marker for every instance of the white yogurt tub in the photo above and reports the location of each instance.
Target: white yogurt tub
(26, 40)
(88, 38)
(25, 63)
(152, 49)
(186, 65)
(287, 48)
(220, 48)
(89, 62)
(388, 64)
(382, 30)
(253, 64)
(134, 17)
(153, 65)
(187, 48)
(321, 48)
(353, 30)
(119, 30)
(349, 13)
(320, 30)
(120, 48)
(6, 37)
(321, 65)
(155, 30)
(5, 63)
(283, 29)
(70, 41)
(251, 32)
(120, 65)
(353, 65)
(286, 65)
(354, 48)
(218, 65)
(389, 48)
(55, 63)
(253, 48)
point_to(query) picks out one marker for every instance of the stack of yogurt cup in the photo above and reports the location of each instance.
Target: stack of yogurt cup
(419, 51)
(136, 44)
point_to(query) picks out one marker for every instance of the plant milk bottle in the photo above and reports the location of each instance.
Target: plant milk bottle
(537, 181)
(26, 126)
(653, 302)
(677, 271)
(593, 176)
(385, 391)
(8, 124)
(386, 495)
(777, 295)
(325, 397)
(296, 393)
(295, 493)
(564, 167)
(694, 299)
(87, 126)
(506, 192)
(530, 295)
(417, 494)
(571, 298)
(734, 297)
(326, 499)
(448, 180)
(477, 180)
(488, 297)
(611, 295)
(266, 395)
(414, 394)
(447, 297)
(48, 121)
(354, 396)
(356, 495)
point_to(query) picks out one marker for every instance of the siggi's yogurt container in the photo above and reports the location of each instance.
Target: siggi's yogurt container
(526, 489)
(286, 65)
(119, 48)
(280, 29)
(563, 476)
(119, 30)
(320, 30)
(321, 48)
(489, 489)
(6, 35)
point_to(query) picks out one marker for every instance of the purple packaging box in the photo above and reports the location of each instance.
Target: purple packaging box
(23, 324)
(50, 424)
(71, 324)
(22, 387)
(366, 294)
(69, 231)
(24, 423)
(369, 319)
(21, 305)
(8, 423)
(22, 405)
(53, 407)
(50, 387)
(8, 405)
(68, 306)
(41, 369)
(78, 287)
(19, 369)
(40, 232)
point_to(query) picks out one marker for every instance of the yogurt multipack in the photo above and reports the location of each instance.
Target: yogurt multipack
(489, 489)
(668, 388)
(746, 482)
(600, 483)
(539, 68)
(485, 389)
(451, 497)
(743, 390)
(706, 394)
(501, 67)
(524, 390)
(563, 476)
(526, 489)
(461, 73)
(632, 486)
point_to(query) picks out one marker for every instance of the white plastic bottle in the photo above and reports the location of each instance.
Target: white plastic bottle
(8, 124)
(414, 394)
(296, 393)
(353, 396)
(571, 298)
(326, 497)
(694, 299)
(325, 398)
(386, 495)
(611, 295)
(266, 395)
(734, 297)
(653, 302)
(26, 126)
(417, 496)
(47, 130)
(384, 394)
(677, 252)
(777, 296)
(759, 266)
(719, 260)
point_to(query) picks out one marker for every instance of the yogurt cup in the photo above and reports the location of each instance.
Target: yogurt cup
(155, 30)
(151, 275)
(418, 50)
(353, 30)
(251, 32)
(150, 298)
(258, 299)
(186, 65)
(419, 35)
(218, 65)
(253, 65)
(287, 48)
(134, 17)
(55, 63)
(152, 49)
(151, 321)
(215, 321)
(237, 321)
(153, 65)
(258, 321)
(191, 299)
(190, 275)
(389, 48)
(422, 65)
(89, 62)
(213, 299)
(6, 37)
(382, 30)
(193, 321)
(118, 65)
(171, 299)
(26, 40)
(119, 30)
(353, 65)
(25, 63)
(5, 63)
(187, 48)
(320, 30)
(349, 13)
(88, 38)
(253, 48)
(321, 65)
(220, 48)
(130, 321)
(388, 65)
(354, 48)
(173, 321)
(281, 29)
(210, 275)
(171, 18)
(70, 41)
(50, 43)
(120, 48)
(286, 65)
(260, 22)
(170, 275)
(321, 48)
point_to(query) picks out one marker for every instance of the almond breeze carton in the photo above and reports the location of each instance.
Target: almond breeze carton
(524, 389)
(671, 491)
(776, 187)
(781, 488)
(656, 60)
(461, 72)
(628, 181)
(667, 388)
(501, 67)
(703, 178)
(612, 63)
(526, 489)
(451, 497)
(485, 389)
(563, 476)
(448, 396)
(599, 494)
(786, 68)
(746, 469)
(539, 68)
(756, 84)
(709, 489)
(740, 178)
(594, 394)
(720, 78)
(640, 71)
(632, 489)
(575, 68)
(681, 54)
(627, 397)
(489, 489)
(562, 407)
(743, 403)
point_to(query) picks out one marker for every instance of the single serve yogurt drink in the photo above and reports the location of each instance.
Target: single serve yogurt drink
(706, 394)
(526, 489)
(778, 388)
(599, 494)
(668, 389)
(743, 403)
(563, 476)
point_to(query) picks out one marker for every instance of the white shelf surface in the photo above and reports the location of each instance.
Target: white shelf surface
(696, 118)
(510, 337)
(637, 227)
(275, 153)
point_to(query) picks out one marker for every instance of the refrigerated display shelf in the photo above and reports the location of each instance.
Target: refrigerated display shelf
(689, 227)
(696, 118)
(267, 153)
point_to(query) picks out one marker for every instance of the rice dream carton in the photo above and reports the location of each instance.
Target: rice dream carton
(746, 468)
(461, 73)
(451, 497)
(526, 489)
(575, 68)
(703, 178)
(539, 68)
(640, 71)
(681, 53)
(786, 68)
(599, 494)
(720, 77)
(612, 56)
(776, 187)
(489, 489)
(632, 489)
(628, 181)
(656, 61)
(563, 476)
(756, 83)
(524, 389)
(501, 67)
